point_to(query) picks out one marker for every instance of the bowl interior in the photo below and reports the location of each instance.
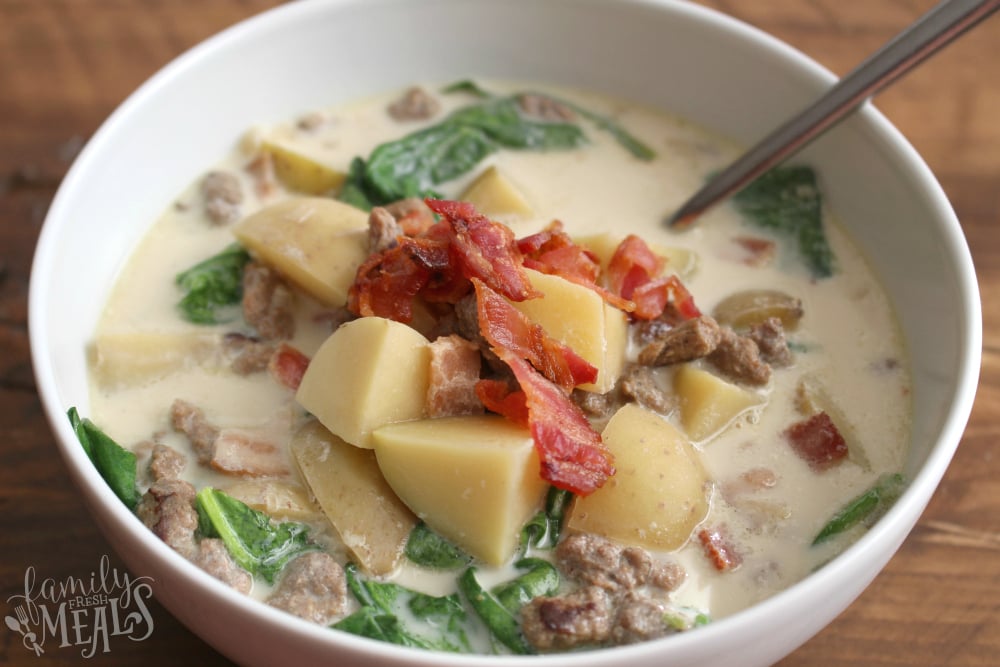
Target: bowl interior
(719, 73)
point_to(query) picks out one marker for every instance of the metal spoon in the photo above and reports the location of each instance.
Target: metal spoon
(934, 30)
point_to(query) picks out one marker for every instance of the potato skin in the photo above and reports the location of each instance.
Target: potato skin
(659, 493)
(347, 484)
(317, 243)
(474, 479)
(370, 372)
(709, 403)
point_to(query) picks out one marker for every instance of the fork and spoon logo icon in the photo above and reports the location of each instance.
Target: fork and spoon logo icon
(21, 626)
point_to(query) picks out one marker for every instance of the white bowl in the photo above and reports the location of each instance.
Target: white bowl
(716, 71)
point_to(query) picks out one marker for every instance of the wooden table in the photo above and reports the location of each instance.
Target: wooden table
(65, 64)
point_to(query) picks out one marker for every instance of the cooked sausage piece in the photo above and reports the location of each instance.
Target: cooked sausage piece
(223, 195)
(613, 605)
(689, 340)
(593, 560)
(313, 587)
(167, 509)
(190, 420)
(770, 338)
(580, 618)
(639, 383)
(267, 302)
(165, 462)
(214, 558)
(595, 405)
(247, 355)
(639, 619)
(383, 230)
(739, 357)
(415, 104)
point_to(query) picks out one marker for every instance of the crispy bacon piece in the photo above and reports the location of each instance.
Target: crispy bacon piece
(436, 263)
(571, 452)
(432, 252)
(631, 265)
(681, 299)
(498, 397)
(572, 455)
(719, 548)
(553, 251)
(287, 365)
(484, 249)
(505, 327)
(386, 284)
(817, 441)
(633, 274)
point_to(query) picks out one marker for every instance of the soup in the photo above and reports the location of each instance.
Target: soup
(430, 368)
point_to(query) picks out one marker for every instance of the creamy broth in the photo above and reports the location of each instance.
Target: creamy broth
(847, 336)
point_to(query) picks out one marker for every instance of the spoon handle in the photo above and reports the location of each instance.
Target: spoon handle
(934, 30)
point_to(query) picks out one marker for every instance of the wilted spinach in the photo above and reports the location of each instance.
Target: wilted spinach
(253, 540)
(788, 201)
(542, 530)
(114, 463)
(428, 549)
(399, 615)
(212, 286)
(499, 607)
(867, 507)
(415, 164)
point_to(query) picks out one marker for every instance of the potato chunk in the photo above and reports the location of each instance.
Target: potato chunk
(299, 172)
(473, 479)
(129, 359)
(369, 372)
(316, 243)
(659, 493)
(495, 196)
(276, 497)
(580, 318)
(709, 403)
(346, 482)
(753, 307)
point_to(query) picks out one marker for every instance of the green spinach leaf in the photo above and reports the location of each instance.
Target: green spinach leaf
(499, 607)
(254, 541)
(541, 578)
(431, 622)
(867, 507)
(428, 549)
(355, 191)
(415, 164)
(212, 286)
(542, 530)
(374, 624)
(114, 463)
(787, 200)
(628, 141)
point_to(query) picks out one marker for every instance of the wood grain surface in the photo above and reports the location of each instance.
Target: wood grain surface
(66, 64)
